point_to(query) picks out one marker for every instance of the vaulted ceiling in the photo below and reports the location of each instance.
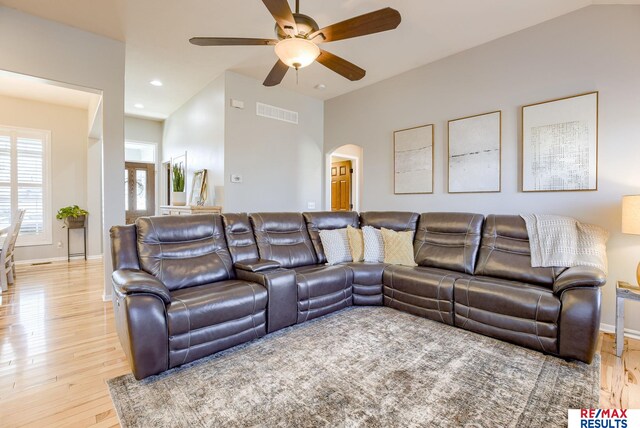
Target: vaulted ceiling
(156, 33)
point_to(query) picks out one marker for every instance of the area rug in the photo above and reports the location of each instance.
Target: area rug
(363, 367)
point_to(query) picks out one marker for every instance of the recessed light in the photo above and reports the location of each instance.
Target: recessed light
(320, 86)
(138, 105)
(156, 82)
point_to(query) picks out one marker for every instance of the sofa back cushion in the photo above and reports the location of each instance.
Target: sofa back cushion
(399, 221)
(184, 251)
(327, 220)
(505, 253)
(240, 239)
(283, 237)
(448, 240)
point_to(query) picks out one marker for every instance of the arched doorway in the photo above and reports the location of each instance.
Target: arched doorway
(344, 178)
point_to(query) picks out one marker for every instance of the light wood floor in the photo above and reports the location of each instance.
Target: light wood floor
(58, 346)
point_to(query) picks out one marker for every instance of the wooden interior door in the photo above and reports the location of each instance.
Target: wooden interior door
(140, 195)
(341, 186)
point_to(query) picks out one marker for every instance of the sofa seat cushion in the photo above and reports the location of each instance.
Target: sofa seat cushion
(426, 292)
(322, 289)
(513, 311)
(211, 317)
(367, 283)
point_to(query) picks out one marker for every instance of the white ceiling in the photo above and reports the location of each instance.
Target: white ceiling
(157, 33)
(26, 87)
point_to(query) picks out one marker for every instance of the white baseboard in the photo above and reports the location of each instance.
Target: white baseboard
(608, 328)
(55, 259)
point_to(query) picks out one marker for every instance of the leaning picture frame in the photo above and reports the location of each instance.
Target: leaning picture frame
(199, 188)
(413, 160)
(560, 144)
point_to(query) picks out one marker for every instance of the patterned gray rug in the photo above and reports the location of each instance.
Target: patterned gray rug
(363, 367)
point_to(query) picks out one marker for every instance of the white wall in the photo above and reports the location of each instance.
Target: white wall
(53, 51)
(595, 48)
(94, 196)
(281, 163)
(143, 130)
(68, 128)
(198, 128)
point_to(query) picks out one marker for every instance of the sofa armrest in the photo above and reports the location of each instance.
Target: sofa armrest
(579, 324)
(257, 265)
(579, 276)
(282, 307)
(132, 281)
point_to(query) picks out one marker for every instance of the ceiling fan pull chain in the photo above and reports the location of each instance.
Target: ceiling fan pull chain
(296, 77)
(297, 6)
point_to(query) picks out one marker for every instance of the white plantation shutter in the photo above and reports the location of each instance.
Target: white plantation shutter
(25, 183)
(5, 179)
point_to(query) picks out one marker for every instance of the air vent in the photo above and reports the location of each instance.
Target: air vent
(277, 113)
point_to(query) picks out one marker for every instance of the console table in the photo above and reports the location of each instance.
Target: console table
(624, 291)
(188, 209)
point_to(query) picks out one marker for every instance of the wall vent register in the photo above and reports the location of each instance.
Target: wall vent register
(277, 113)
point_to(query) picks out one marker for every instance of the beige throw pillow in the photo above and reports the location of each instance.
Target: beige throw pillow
(356, 243)
(398, 247)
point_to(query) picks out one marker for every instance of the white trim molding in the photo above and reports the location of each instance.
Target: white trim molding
(628, 332)
(55, 259)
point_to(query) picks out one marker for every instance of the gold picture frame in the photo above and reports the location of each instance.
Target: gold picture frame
(413, 153)
(199, 188)
(567, 123)
(477, 165)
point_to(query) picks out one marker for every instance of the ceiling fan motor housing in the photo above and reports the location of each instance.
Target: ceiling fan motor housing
(306, 25)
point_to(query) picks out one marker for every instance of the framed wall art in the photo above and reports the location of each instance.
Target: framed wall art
(199, 188)
(413, 160)
(475, 145)
(560, 144)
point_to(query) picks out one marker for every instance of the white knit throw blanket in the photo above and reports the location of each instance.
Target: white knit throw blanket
(558, 241)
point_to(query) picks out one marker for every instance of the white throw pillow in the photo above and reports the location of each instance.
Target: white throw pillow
(336, 246)
(373, 245)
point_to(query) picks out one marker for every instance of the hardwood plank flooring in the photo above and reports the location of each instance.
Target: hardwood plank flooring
(58, 346)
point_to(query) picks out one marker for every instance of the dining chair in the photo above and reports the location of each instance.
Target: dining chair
(7, 262)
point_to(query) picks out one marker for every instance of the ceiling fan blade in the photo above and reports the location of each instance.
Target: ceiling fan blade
(230, 41)
(281, 12)
(276, 74)
(369, 23)
(340, 66)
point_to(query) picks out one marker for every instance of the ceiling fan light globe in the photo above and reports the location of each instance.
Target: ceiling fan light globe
(297, 52)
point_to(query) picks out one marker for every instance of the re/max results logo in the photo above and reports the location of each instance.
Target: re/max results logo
(604, 418)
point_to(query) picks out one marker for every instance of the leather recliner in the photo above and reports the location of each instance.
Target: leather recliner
(547, 309)
(176, 297)
(445, 247)
(321, 289)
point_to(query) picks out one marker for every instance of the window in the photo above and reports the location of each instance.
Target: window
(25, 182)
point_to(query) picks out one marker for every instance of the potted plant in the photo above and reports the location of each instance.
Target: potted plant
(178, 196)
(73, 216)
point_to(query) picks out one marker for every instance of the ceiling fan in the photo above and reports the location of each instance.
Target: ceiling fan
(298, 37)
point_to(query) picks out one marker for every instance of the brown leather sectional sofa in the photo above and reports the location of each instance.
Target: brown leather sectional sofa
(189, 286)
